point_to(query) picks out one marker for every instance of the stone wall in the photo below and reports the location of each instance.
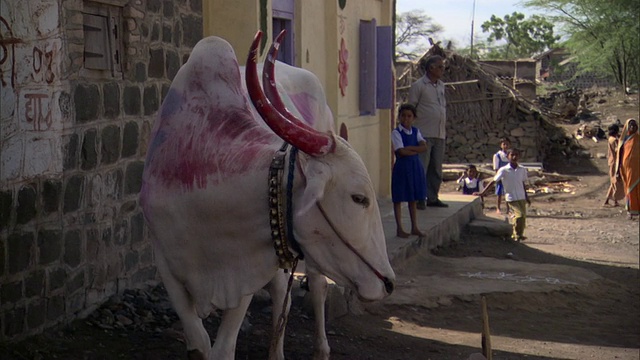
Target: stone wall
(73, 142)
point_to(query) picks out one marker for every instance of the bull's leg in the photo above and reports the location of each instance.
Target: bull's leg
(278, 290)
(196, 337)
(224, 347)
(318, 289)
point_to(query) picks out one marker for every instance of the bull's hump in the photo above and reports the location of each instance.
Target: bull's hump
(206, 132)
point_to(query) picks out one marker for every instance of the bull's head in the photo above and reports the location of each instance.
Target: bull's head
(337, 219)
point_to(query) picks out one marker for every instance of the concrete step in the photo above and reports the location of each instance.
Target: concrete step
(440, 225)
(495, 225)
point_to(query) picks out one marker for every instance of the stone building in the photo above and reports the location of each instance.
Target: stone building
(81, 82)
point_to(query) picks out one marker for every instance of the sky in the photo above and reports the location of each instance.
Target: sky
(456, 15)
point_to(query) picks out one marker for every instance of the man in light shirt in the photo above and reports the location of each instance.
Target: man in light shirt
(427, 95)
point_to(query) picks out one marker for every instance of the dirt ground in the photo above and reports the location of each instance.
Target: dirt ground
(596, 318)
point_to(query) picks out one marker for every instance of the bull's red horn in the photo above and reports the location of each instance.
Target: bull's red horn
(306, 139)
(269, 82)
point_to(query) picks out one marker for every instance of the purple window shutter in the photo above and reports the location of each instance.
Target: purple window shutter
(384, 83)
(286, 53)
(286, 6)
(283, 18)
(367, 67)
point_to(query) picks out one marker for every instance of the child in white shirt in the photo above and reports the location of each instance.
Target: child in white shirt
(513, 178)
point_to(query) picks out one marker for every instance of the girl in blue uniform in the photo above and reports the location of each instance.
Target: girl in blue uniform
(501, 159)
(408, 181)
(469, 181)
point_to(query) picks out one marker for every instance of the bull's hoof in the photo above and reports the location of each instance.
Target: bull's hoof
(195, 354)
(304, 283)
(321, 355)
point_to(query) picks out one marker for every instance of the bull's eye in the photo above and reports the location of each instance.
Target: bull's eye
(360, 200)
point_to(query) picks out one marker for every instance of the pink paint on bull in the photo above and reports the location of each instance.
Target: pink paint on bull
(218, 124)
(303, 102)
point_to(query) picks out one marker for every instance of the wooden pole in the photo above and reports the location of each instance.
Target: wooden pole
(486, 334)
(473, 17)
(515, 73)
(461, 82)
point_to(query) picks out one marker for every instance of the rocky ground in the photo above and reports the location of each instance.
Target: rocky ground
(596, 319)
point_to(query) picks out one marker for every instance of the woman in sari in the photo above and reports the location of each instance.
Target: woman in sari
(628, 166)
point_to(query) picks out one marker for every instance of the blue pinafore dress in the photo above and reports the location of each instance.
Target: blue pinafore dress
(501, 162)
(408, 179)
(470, 190)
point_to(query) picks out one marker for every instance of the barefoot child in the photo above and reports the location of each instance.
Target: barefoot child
(616, 187)
(513, 178)
(408, 181)
(469, 181)
(500, 159)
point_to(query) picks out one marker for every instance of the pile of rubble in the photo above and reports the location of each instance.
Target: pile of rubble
(149, 310)
(144, 310)
(574, 106)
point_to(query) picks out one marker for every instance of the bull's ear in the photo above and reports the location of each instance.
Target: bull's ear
(317, 175)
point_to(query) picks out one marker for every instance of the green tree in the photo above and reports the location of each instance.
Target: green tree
(413, 30)
(481, 50)
(604, 36)
(523, 37)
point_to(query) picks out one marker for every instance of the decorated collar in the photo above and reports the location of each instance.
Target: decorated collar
(281, 228)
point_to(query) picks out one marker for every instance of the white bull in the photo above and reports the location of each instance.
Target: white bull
(205, 198)
(302, 94)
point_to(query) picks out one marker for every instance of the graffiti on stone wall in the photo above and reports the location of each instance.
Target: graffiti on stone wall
(35, 113)
(7, 54)
(43, 63)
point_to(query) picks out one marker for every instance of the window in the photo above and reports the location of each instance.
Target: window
(376, 80)
(367, 74)
(285, 53)
(282, 13)
(384, 77)
(103, 38)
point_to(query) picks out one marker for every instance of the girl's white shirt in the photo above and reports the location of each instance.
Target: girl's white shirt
(396, 138)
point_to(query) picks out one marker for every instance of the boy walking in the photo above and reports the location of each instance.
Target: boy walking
(513, 177)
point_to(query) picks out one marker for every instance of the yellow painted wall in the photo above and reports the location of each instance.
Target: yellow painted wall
(370, 135)
(319, 27)
(235, 21)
